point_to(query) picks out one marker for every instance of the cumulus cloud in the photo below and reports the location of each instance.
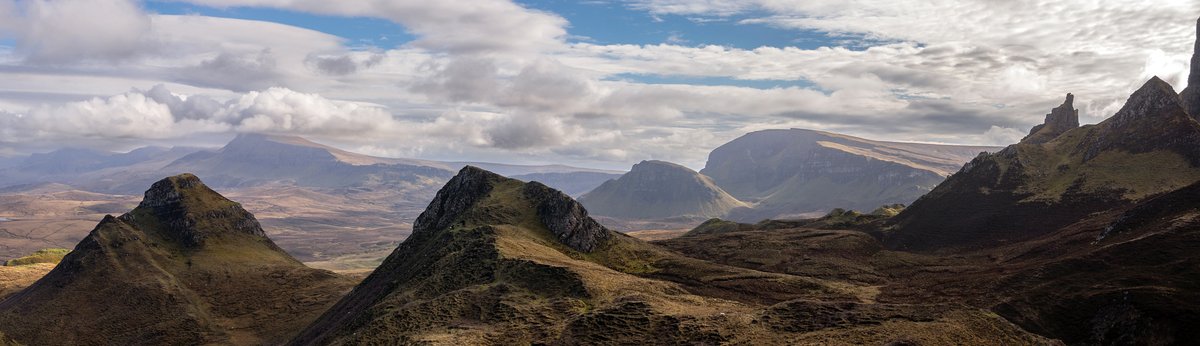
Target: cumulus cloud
(158, 113)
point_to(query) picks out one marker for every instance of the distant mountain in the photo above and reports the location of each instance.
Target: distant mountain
(571, 183)
(187, 266)
(84, 166)
(497, 261)
(793, 172)
(509, 170)
(254, 159)
(658, 189)
(1052, 179)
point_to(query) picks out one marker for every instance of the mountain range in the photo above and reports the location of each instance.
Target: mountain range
(1076, 235)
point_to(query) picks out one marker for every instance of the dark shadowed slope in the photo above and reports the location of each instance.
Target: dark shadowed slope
(1150, 146)
(657, 189)
(187, 266)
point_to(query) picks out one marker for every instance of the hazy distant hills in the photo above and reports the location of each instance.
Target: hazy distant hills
(255, 160)
(99, 170)
(789, 172)
(658, 189)
(252, 159)
(782, 174)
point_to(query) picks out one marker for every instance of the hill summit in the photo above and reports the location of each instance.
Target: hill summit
(187, 266)
(659, 189)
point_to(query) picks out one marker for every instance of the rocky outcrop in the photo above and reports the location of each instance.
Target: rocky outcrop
(1059, 121)
(566, 218)
(1191, 95)
(190, 212)
(658, 189)
(461, 193)
(1029, 189)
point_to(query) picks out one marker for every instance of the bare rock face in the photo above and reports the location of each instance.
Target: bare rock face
(566, 218)
(1059, 121)
(563, 216)
(470, 186)
(1191, 95)
(190, 212)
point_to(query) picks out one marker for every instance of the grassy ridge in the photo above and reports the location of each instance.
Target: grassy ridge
(39, 256)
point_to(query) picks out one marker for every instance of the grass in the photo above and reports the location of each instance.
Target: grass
(39, 256)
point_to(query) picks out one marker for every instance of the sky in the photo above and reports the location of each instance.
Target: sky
(594, 83)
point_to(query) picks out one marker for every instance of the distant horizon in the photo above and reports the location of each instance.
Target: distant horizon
(614, 169)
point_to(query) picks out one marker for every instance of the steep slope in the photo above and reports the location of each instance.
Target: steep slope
(187, 266)
(254, 159)
(497, 261)
(791, 172)
(1190, 96)
(657, 189)
(1150, 146)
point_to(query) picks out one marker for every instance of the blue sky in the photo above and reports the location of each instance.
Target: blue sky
(595, 22)
(599, 22)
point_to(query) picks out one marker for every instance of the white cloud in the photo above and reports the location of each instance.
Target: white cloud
(492, 79)
(477, 26)
(65, 31)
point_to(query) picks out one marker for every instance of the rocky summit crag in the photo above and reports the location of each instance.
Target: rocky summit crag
(187, 266)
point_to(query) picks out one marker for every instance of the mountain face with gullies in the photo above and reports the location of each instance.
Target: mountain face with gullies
(788, 173)
(1059, 175)
(658, 189)
(494, 260)
(187, 266)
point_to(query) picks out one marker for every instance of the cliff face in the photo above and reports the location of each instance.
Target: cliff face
(187, 266)
(1191, 95)
(1150, 146)
(789, 172)
(657, 189)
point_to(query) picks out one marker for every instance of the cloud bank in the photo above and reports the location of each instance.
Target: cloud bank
(494, 79)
